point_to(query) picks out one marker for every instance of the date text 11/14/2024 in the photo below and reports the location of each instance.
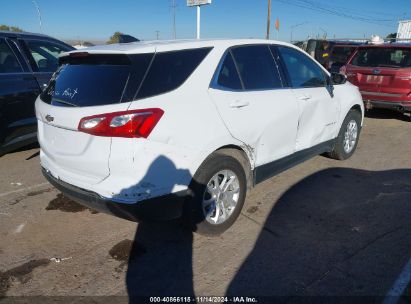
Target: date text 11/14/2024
(203, 299)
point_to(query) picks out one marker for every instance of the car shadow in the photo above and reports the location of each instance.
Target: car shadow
(386, 114)
(338, 232)
(28, 147)
(160, 259)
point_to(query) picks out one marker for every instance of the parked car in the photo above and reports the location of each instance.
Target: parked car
(383, 74)
(159, 130)
(27, 62)
(332, 54)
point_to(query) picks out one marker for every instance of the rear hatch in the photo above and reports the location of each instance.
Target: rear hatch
(382, 70)
(84, 85)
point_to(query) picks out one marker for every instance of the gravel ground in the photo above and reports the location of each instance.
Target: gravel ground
(323, 228)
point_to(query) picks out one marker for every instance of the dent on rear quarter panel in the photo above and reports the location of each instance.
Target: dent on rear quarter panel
(142, 169)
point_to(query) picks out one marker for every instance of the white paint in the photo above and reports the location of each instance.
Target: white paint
(318, 116)
(399, 286)
(197, 121)
(16, 184)
(19, 228)
(24, 189)
(273, 133)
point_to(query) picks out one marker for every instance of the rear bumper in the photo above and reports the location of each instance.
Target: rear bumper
(160, 208)
(403, 106)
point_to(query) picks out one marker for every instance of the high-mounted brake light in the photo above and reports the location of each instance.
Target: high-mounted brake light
(134, 123)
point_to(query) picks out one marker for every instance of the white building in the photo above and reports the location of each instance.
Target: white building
(404, 31)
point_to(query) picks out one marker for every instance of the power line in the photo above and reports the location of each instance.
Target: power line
(339, 11)
(315, 7)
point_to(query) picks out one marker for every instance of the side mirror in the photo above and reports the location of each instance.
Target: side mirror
(329, 85)
(338, 78)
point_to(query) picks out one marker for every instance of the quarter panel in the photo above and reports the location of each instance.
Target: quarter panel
(349, 96)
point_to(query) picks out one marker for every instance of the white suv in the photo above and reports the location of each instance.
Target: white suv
(160, 130)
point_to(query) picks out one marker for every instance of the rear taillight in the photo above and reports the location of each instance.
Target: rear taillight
(403, 76)
(134, 123)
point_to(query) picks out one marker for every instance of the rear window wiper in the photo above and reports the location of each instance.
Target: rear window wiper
(65, 102)
(389, 66)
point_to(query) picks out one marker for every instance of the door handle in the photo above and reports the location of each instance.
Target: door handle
(239, 104)
(305, 97)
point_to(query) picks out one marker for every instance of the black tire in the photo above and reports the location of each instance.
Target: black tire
(193, 211)
(338, 151)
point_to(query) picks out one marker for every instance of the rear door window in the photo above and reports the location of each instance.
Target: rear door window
(382, 57)
(303, 72)
(257, 68)
(45, 54)
(169, 70)
(228, 77)
(340, 54)
(8, 61)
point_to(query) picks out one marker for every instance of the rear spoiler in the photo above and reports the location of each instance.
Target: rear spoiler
(94, 58)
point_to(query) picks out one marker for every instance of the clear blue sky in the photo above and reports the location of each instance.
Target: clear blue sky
(98, 19)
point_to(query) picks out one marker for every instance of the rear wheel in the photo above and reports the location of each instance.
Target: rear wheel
(347, 140)
(218, 194)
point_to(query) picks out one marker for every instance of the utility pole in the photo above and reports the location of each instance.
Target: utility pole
(198, 21)
(157, 35)
(198, 4)
(268, 20)
(173, 6)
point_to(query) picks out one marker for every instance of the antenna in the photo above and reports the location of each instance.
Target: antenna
(268, 20)
(39, 14)
(173, 6)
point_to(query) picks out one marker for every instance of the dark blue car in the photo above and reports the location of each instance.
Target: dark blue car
(27, 62)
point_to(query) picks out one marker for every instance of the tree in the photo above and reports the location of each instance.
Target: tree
(392, 37)
(115, 38)
(4, 27)
(15, 29)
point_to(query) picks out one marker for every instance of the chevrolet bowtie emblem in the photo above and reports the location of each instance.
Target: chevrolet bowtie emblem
(49, 118)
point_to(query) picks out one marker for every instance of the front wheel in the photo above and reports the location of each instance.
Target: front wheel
(347, 140)
(218, 194)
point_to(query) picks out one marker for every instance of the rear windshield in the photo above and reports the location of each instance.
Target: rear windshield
(340, 54)
(107, 79)
(383, 57)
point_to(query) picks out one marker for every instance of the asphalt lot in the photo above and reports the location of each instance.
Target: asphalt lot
(323, 228)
